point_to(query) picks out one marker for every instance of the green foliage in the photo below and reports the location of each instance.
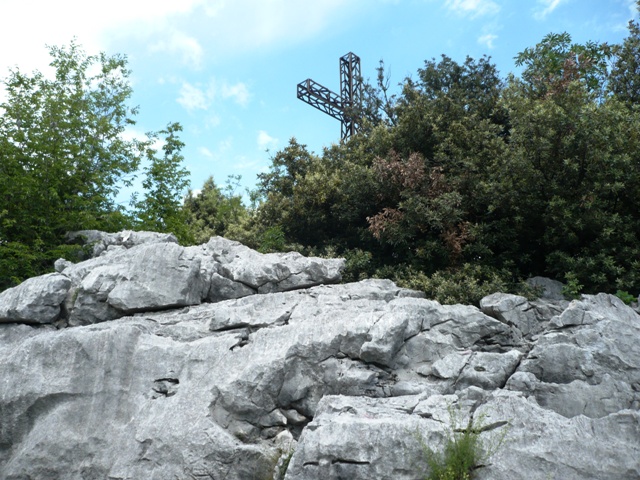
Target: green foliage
(467, 284)
(463, 451)
(165, 182)
(272, 240)
(65, 158)
(465, 181)
(572, 287)
(624, 81)
(215, 211)
(626, 297)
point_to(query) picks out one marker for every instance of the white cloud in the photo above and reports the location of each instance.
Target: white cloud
(192, 98)
(238, 92)
(546, 7)
(205, 152)
(29, 26)
(212, 121)
(474, 8)
(217, 28)
(487, 40)
(266, 23)
(187, 47)
(266, 141)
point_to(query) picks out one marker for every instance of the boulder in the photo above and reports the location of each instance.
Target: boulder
(146, 277)
(587, 363)
(272, 272)
(527, 442)
(37, 300)
(99, 242)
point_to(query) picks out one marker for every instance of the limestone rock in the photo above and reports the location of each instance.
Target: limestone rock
(100, 242)
(531, 442)
(551, 289)
(181, 364)
(272, 272)
(36, 300)
(587, 363)
(146, 277)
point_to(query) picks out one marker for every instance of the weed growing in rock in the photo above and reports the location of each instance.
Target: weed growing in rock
(626, 297)
(280, 460)
(464, 451)
(283, 464)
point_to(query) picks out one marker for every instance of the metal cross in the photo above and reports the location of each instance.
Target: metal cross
(342, 107)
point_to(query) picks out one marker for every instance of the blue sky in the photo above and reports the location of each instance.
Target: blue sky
(227, 70)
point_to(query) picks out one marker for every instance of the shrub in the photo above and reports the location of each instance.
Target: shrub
(464, 451)
(467, 284)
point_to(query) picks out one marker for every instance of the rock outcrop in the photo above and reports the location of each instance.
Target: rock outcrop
(156, 361)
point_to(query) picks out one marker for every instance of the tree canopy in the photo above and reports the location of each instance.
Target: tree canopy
(476, 180)
(64, 159)
(461, 184)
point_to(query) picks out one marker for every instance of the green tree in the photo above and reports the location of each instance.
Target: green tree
(165, 183)
(63, 156)
(64, 159)
(215, 210)
(624, 81)
(465, 181)
(570, 180)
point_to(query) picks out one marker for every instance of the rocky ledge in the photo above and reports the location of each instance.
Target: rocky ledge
(156, 361)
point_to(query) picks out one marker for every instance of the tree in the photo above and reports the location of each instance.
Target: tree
(64, 158)
(625, 75)
(214, 210)
(165, 182)
(466, 181)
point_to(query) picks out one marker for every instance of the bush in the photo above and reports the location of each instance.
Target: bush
(464, 451)
(467, 284)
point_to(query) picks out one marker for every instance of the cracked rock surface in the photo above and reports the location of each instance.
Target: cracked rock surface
(157, 361)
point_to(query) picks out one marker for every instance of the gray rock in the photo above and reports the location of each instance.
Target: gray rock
(147, 277)
(551, 289)
(354, 379)
(100, 242)
(529, 441)
(272, 272)
(588, 363)
(36, 300)
(513, 310)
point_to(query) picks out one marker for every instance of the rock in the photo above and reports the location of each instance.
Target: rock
(551, 289)
(36, 300)
(134, 272)
(529, 441)
(512, 310)
(587, 363)
(272, 272)
(146, 277)
(215, 361)
(100, 242)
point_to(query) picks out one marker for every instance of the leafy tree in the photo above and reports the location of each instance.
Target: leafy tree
(214, 211)
(624, 81)
(64, 158)
(466, 181)
(166, 180)
(570, 174)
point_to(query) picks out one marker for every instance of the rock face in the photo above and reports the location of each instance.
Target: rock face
(156, 361)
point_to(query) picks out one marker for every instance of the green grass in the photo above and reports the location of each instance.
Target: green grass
(463, 451)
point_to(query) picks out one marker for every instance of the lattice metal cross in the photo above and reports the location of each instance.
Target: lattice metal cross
(343, 107)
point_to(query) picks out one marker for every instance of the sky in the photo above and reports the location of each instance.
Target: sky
(227, 70)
